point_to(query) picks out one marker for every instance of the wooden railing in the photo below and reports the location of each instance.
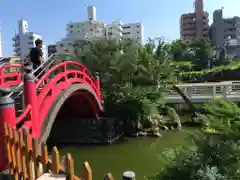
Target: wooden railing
(27, 163)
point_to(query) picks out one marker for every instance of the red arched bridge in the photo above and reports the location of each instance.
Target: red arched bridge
(66, 89)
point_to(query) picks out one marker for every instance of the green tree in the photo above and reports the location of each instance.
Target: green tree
(203, 54)
(130, 74)
(216, 154)
(199, 52)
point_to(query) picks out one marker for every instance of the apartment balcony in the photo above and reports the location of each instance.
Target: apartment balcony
(188, 21)
(206, 32)
(189, 15)
(189, 31)
(205, 20)
(16, 43)
(189, 27)
(16, 37)
(16, 49)
(206, 26)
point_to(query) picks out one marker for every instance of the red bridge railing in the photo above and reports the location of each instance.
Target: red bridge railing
(39, 95)
(10, 75)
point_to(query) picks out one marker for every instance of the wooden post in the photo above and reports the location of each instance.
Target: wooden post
(35, 158)
(44, 157)
(69, 165)
(27, 157)
(86, 171)
(108, 177)
(55, 161)
(24, 159)
(129, 175)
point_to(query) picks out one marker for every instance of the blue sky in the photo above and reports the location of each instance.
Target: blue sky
(49, 17)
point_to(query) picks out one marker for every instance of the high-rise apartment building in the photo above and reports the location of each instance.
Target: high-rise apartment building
(223, 29)
(119, 31)
(80, 33)
(114, 30)
(195, 25)
(225, 34)
(133, 31)
(24, 40)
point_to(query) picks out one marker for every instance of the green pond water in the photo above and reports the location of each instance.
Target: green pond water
(141, 155)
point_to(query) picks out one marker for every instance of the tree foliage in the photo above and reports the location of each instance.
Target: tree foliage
(134, 78)
(198, 52)
(215, 156)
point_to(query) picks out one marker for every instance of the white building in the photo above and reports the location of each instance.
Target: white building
(24, 41)
(92, 29)
(81, 32)
(114, 30)
(133, 31)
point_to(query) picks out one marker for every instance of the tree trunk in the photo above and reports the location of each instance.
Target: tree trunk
(185, 98)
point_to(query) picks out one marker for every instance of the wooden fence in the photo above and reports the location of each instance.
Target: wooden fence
(26, 163)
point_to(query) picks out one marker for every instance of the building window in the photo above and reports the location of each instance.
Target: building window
(71, 26)
(30, 37)
(69, 44)
(61, 45)
(30, 43)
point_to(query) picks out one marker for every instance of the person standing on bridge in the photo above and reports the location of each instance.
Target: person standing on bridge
(36, 56)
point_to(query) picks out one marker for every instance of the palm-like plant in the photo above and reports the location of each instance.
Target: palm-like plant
(130, 73)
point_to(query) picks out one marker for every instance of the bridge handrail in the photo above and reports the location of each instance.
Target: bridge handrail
(46, 65)
(207, 84)
(81, 69)
(15, 74)
(73, 58)
(21, 84)
(64, 65)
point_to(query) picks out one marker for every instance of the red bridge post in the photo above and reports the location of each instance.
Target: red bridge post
(30, 98)
(7, 115)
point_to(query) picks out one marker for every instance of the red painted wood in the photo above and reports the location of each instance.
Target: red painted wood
(15, 77)
(39, 97)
